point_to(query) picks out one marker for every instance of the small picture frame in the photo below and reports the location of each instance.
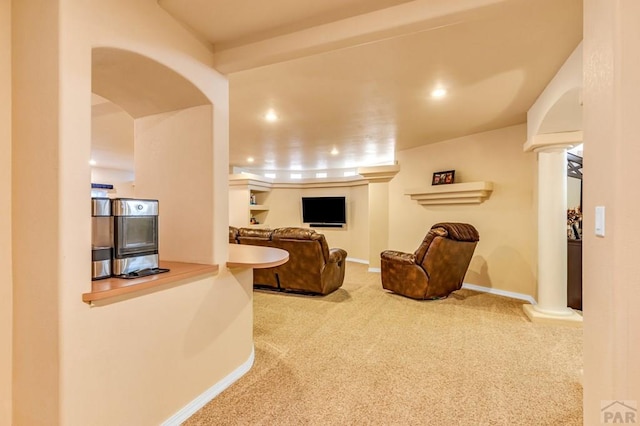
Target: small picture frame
(443, 178)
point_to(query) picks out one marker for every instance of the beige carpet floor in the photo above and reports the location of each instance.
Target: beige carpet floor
(363, 356)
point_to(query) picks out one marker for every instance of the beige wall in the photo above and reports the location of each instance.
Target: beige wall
(112, 141)
(35, 174)
(611, 284)
(142, 358)
(284, 208)
(353, 238)
(379, 222)
(176, 170)
(239, 206)
(358, 218)
(6, 283)
(505, 256)
(111, 136)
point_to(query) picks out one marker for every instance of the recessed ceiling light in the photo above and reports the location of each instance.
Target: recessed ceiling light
(271, 116)
(335, 151)
(250, 159)
(438, 93)
(92, 162)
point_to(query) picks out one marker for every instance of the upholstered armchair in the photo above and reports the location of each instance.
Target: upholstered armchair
(436, 268)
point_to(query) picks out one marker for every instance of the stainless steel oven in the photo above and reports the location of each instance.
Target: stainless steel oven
(135, 236)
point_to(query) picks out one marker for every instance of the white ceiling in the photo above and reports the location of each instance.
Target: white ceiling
(355, 75)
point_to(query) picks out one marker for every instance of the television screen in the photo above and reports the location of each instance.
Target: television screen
(324, 210)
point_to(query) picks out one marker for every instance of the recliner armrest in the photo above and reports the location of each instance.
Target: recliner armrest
(337, 255)
(398, 257)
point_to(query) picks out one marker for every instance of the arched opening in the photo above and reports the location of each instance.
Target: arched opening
(565, 115)
(152, 138)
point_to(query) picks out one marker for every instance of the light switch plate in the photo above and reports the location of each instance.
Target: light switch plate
(599, 221)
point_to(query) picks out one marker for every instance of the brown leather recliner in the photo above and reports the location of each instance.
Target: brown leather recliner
(233, 235)
(312, 266)
(436, 268)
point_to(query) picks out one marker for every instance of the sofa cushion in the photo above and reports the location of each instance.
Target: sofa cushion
(261, 233)
(295, 234)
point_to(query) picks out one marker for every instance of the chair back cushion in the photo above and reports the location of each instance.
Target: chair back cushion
(300, 235)
(421, 251)
(446, 264)
(447, 256)
(254, 236)
(308, 256)
(459, 231)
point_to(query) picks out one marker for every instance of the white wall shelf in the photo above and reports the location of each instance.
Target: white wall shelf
(455, 193)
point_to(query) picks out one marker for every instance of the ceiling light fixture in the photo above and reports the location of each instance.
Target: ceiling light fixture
(250, 159)
(271, 116)
(438, 93)
(334, 151)
(92, 162)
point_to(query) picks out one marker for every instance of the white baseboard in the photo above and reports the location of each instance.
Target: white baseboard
(364, 262)
(498, 292)
(191, 408)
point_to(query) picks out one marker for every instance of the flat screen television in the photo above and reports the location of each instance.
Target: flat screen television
(324, 211)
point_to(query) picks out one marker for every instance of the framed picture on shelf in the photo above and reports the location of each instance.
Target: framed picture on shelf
(443, 178)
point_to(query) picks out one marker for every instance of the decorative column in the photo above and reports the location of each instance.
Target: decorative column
(378, 177)
(552, 232)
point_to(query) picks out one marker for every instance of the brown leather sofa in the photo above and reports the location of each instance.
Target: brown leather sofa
(312, 266)
(436, 268)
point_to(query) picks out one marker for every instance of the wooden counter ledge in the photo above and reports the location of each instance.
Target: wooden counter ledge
(240, 256)
(111, 287)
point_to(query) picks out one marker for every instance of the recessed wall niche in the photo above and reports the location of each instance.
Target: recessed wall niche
(156, 126)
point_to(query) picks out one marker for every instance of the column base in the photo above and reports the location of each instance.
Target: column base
(573, 319)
